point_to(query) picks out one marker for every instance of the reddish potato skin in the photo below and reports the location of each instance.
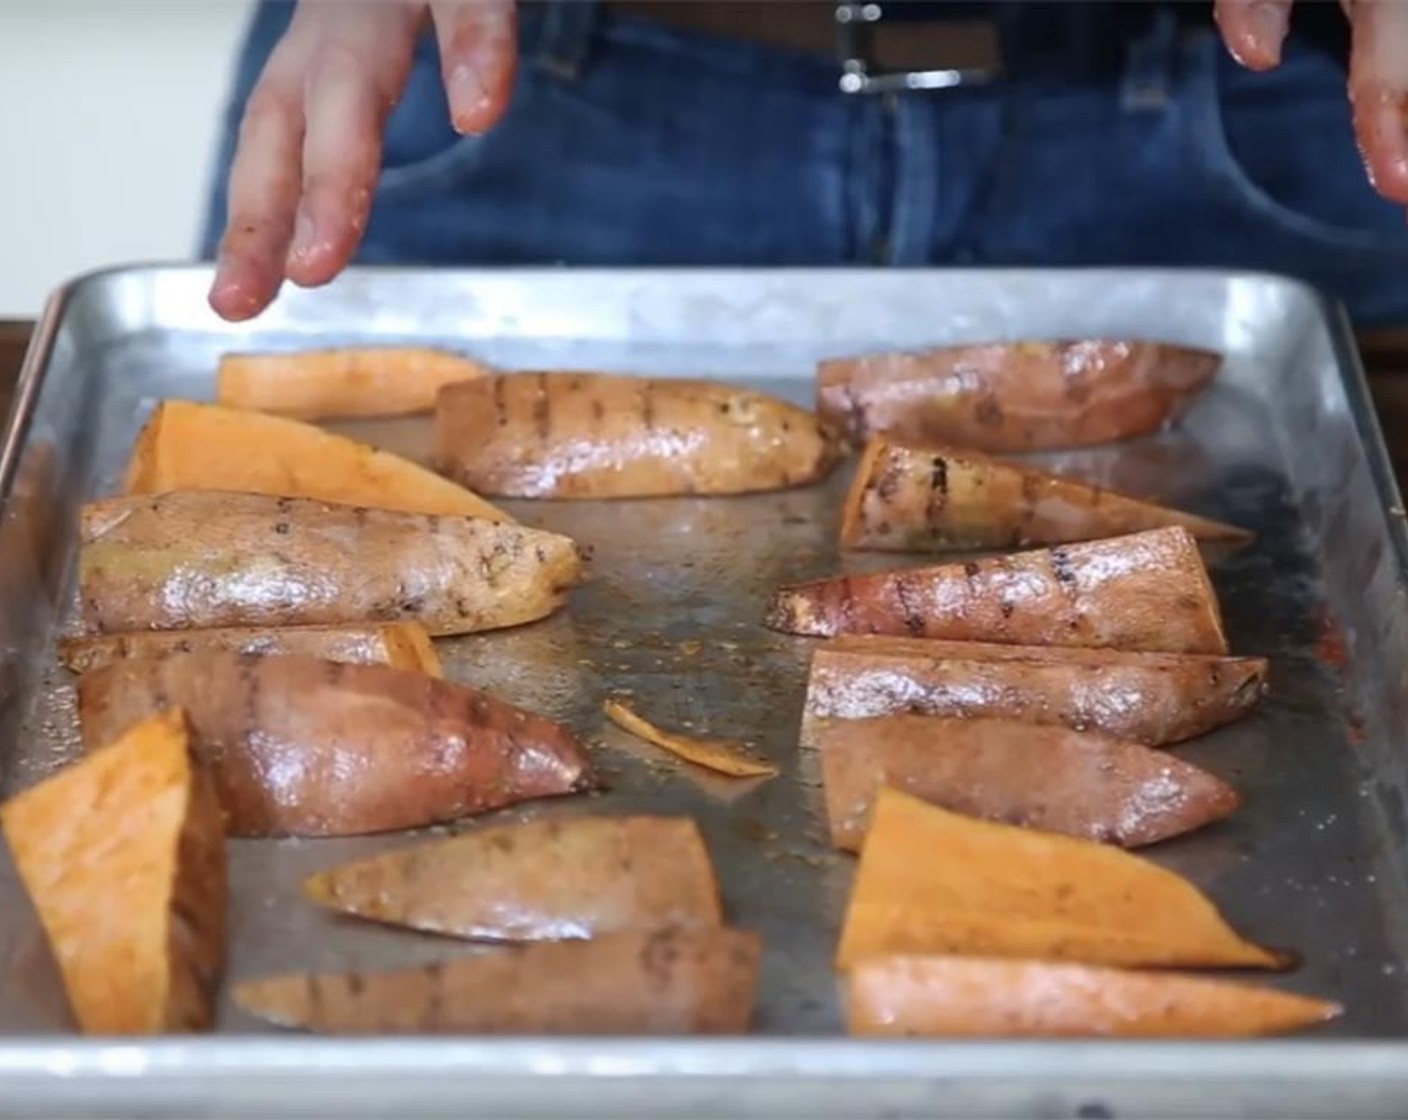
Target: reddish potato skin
(1081, 784)
(665, 982)
(1149, 698)
(909, 498)
(1014, 397)
(197, 559)
(1145, 591)
(600, 435)
(299, 746)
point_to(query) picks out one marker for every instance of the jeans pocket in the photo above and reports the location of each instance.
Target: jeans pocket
(1280, 149)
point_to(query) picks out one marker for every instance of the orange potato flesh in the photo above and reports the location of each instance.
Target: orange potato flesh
(976, 997)
(932, 498)
(933, 881)
(299, 746)
(666, 982)
(1149, 698)
(1012, 397)
(541, 880)
(209, 559)
(344, 382)
(186, 445)
(1145, 591)
(1048, 778)
(600, 435)
(401, 645)
(123, 856)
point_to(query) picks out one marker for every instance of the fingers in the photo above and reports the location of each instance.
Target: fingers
(265, 182)
(478, 56)
(309, 149)
(1378, 88)
(1254, 30)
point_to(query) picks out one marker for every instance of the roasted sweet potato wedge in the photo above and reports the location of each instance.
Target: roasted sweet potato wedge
(667, 982)
(912, 498)
(1050, 778)
(600, 435)
(123, 856)
(541, 880)
(342, 382)
(186, 445)
(983, 997)
(197, 559)
(1148, 698)
(402, 645)
(306, 747)
(1015, 396)
(935, 881)
(1145, 591)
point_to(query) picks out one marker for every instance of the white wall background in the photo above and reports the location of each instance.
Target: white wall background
(108, 117)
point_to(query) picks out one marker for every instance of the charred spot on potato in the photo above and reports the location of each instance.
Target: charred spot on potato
(281, 527)
(1063, 569)
(987, 411)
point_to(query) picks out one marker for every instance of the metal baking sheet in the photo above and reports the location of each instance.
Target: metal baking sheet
(1285, 442)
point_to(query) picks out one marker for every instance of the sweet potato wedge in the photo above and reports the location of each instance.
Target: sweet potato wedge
(186, 445)
(206, 559)
(666, 982)
(342, 382)
(601, 435)
(1049, 778)
(979, 997)
(1017, 396)
(401, 645)
(540, 880)
(1146, 591)
(934, 881)
(305, 747)
(1149, 698)
(123, 856)
(910, 498)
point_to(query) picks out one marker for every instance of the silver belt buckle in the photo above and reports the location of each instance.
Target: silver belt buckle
(853, 23)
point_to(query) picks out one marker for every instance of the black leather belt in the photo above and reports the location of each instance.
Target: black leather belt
(878, 46)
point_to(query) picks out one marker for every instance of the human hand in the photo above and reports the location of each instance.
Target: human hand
(1378, 74)
(309, 148)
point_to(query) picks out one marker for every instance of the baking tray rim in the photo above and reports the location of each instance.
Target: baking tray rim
(1289, 1060)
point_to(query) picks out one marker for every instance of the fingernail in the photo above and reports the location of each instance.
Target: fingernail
(469, 97)
(1270, 23)
(305, 234)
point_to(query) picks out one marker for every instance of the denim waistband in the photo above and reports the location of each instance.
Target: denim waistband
(1087, 39)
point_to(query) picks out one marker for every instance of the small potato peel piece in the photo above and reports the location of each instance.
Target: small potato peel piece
(123, 856)
(667, 982)
(552, 879)
(723, 756)
(984, 997)
(934, 881)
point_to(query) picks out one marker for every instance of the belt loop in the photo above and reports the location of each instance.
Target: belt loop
(1150, 63)
(565, 35)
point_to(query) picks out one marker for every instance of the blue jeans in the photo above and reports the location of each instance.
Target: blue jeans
(628, 142)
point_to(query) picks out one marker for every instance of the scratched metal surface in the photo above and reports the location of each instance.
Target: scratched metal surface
(1283, 443)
